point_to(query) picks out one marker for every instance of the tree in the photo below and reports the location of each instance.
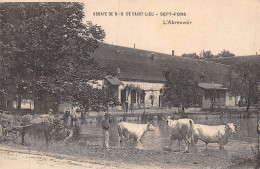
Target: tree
(181, 89)
(225, 53)
(206, 54)
(45, 48)
(191, 55)
(244, 81)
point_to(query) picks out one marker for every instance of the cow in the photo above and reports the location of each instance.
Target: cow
(214, 134)
(45, 118)
(181, 129)
(26, 119)
(43, 123)
(133, 131)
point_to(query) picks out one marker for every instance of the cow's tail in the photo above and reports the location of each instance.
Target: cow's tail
(191, 136)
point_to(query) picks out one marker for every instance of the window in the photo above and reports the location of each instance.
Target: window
(166, 75)
(230, 97)
(208, 94)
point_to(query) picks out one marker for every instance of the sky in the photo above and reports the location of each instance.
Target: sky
(232, 25)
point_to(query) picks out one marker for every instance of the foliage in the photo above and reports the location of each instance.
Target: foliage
(244, 81)
(206, 54)
(191, 55)
(181, 89)
(209, 55)
(225, 53)
(45, 48)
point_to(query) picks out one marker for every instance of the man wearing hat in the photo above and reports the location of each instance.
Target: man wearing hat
(106, 123)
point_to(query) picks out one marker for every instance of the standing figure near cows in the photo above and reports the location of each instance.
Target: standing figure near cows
(106, 123)
(74, 132)
(132, 107)
(73, 116)
(83, 117)
(65, 118)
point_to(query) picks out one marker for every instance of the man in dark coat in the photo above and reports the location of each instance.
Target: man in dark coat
(106, 123)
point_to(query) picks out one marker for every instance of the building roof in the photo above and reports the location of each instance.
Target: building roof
(211, 86)
(237, 59)
(137, 65)
(113, 80)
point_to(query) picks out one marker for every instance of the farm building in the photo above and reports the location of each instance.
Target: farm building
(216, 95)
(141, 74)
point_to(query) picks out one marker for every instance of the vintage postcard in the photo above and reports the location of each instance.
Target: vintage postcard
(129, 84)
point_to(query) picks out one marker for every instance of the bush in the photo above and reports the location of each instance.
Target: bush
(239, 160)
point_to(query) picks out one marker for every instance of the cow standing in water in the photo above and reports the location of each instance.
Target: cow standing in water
(133, 131)
(181, 129)
(214, 134)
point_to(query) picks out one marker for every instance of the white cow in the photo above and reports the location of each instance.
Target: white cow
(45, 118)
(133, 131)
(26, 119)
(181, 129)
(214, 134)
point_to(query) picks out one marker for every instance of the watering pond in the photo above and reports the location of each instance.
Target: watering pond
(238, 144)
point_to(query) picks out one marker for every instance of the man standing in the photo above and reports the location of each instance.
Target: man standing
(132, 107)
(106, 123)
(126, 107)
(65, 118)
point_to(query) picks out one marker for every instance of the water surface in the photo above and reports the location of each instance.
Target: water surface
(240, 143)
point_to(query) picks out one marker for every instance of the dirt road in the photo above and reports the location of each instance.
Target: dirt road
(15, 158)
(12, 159)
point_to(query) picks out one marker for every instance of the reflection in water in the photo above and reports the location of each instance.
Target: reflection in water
(242, 141)
(247, 127)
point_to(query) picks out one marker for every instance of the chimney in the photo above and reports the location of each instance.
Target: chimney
(152, 56)
(172, 52)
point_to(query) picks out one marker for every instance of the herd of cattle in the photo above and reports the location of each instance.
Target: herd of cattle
(182, 129)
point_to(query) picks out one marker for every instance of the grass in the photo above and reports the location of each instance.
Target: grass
(247, 160)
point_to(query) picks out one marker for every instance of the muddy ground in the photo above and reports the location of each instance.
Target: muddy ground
(91, 155)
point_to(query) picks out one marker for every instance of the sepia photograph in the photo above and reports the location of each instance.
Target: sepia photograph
(109, 84)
